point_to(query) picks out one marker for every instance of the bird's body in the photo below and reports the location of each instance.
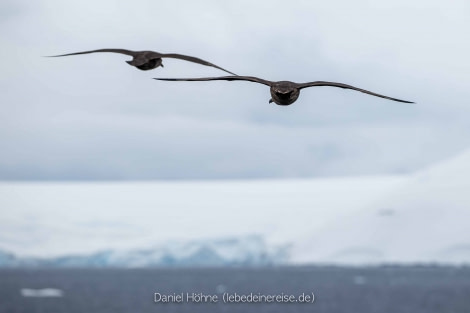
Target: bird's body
(284, 92)
(148, 60)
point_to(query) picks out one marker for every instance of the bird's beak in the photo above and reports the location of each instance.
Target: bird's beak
(271, 101)
(161, 65)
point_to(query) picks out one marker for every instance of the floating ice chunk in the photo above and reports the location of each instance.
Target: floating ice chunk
(41, 293)
(359, 280)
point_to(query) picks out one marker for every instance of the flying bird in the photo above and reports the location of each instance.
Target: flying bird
(148, 60)
(284, 92)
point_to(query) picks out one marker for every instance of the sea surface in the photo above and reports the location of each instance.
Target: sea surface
(390, 289)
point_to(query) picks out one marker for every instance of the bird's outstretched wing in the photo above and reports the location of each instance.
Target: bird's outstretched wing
(246, 78)
(194, 60)
(122, 51)
(340, 85)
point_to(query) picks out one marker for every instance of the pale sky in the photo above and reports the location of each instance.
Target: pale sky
(95, 117)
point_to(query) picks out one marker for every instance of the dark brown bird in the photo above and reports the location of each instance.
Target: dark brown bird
(148, 60)
(284, 92)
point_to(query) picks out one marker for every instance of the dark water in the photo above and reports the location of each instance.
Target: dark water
(380, 289)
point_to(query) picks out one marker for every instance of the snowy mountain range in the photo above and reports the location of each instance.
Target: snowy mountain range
(420, 218)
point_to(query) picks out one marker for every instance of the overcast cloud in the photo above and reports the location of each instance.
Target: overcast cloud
(95, 117)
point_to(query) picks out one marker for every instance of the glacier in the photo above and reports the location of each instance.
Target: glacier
(52, 219)
(249, 250)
